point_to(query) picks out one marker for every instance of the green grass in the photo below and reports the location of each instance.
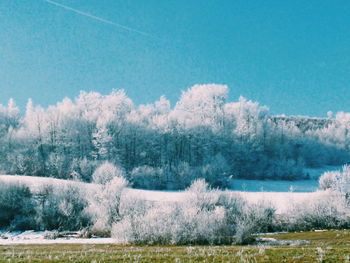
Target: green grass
(334, 237)
(329, 246)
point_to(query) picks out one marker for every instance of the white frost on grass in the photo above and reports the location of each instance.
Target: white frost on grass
(268, 241)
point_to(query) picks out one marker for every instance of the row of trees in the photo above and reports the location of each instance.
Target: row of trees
(157, 146)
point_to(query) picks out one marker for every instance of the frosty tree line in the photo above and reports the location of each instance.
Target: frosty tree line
(162, 147)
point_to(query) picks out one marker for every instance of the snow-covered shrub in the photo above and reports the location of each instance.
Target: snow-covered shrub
(195, 220)
(106, 172)
(336, 180)
(199, 186)
(200, 195)
(17, 207)
(131, 209)
(254, 218)
(62, 209)
(171, 223)
(329, 211)
(205, 216)
(328, 180)
(104, 206)
(123, 231)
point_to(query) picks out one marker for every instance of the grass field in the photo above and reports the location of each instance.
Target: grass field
(328, 246)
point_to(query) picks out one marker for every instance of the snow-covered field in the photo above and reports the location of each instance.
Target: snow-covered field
(271, 191)
(36, 183)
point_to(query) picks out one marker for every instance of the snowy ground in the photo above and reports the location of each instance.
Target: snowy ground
(281, 194)
(31, 237)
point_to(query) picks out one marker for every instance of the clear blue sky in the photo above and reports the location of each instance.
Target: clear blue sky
(293, 56)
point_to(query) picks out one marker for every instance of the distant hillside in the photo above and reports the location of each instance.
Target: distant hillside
(304, 123)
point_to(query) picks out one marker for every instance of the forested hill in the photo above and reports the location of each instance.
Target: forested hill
(158, 146)
(304, 123)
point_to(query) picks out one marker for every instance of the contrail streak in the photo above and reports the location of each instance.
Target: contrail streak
(97, 18)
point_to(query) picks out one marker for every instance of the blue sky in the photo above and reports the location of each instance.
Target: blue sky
(293, 56)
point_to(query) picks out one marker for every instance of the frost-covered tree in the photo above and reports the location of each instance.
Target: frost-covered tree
(336, 180)
(104, 206)
(205, 135)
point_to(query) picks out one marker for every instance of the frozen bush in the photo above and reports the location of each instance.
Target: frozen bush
(254, 218)
(198, 186)
(328, 180)
(62, 209)
(200, 195)
(171, 223)
(105, 205)
(336, 180)
(330, 211)
(106, 172)
(196, 220)
(123, 231)
(204, 217)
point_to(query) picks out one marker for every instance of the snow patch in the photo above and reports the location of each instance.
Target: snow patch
(31, 237)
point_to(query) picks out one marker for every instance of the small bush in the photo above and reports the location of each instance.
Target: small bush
(254, 218)
(330, 211)
(336, 180)
(106, 172)
(328, 180)
(62, 209)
